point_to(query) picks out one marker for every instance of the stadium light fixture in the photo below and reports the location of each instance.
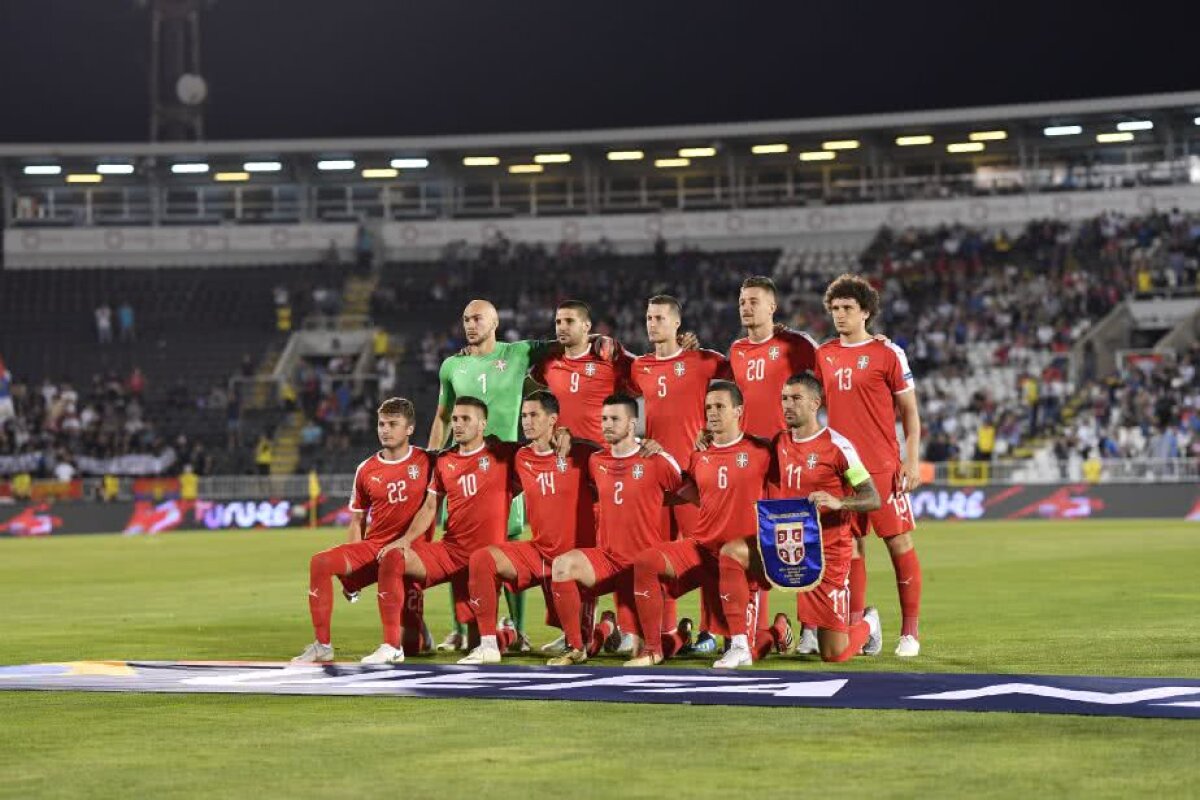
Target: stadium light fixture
(43, 169)
(768, 149)
(1135, 125)
(335, 165)
(625, 155)
(913, 141)
(697, 152)
(552, 158)
(231, 177)
(841, 144)
(115, 169)
(1110, 138)
(410, 163)
(381, 172)
(262, 166)
(818, 155)
(1063, 130)
(988, 136)
(965, 147)
(481, 161)
(84, 177)
(671, 163)
(526, 169)
(189, 168)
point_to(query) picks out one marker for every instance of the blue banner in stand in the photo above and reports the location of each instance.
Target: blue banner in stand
(789, 541)
(1043, 694)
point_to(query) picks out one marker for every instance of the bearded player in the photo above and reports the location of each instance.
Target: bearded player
(389, 490)
(632, 490)
(817, 463)
(726, 478)
(866, 381)
(558, 499)
(476, 478)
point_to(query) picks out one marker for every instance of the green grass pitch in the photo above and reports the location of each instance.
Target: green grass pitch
(1095, 598)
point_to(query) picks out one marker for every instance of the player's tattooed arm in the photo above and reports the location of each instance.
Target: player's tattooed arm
(649, 447)
(704, 439)
(865, 498)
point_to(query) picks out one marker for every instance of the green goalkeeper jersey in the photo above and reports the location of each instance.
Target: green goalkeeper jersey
(497, 379)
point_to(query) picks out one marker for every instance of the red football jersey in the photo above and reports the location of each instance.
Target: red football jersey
(581, 384)
(730, 479)
(823, 462)
(861, 382)
(630, 490)
(391, 492)
(761, 369)
(479, 487)
(674, 389)
(559, 500)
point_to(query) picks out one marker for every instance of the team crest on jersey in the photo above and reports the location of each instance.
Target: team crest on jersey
(414, 471)
(742, 460)
(561, 463)
(680, 369)
(589, 369)
(811, 461)
(773, 353)
(501, 365)
(863, 361)
(485, 463)
(638, 471)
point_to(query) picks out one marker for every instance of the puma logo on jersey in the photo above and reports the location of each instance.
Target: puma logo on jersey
(642, 594)
(376, 479)
(382, 595)
(724, 598)
(313, 593)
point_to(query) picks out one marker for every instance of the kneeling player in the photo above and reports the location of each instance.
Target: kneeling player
(632, 489)
(818, 463)
(727, 478)
(558, 501)
(477, 479)
(389, 488)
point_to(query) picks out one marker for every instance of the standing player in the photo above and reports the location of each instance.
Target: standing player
(559, 501)
(389, 489)
(865, 382)
(764, 360)
(818, 463)
(727, 478)
(477, 479)
(631, 488)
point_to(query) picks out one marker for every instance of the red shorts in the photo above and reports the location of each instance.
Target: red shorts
(698, 567)
(894, 517)
(362, 568)
(447, 564)
(827, 606)
(531, 564)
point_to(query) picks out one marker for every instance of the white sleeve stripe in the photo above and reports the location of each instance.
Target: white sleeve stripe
(354, 486)
(671, 460)
(907, 389)
(846, 446)
(432, 490)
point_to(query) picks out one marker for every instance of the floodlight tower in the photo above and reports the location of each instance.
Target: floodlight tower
(177, 89)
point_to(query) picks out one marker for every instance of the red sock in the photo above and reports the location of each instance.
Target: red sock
(735, 594)
(568, 603)
(587, 617)
(600, 632)
(321, 569)
(506, 637)
(858, 589)
(858, 637)
(413, 617)
(762, 643)
(648, 597)
(908, 585)
(670, 619)
(391, 596)
(626, 614)
(484, 585)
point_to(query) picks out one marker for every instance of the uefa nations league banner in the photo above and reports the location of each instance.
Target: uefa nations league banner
(1028, 501)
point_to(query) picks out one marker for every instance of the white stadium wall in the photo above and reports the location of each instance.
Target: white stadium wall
(226, 245)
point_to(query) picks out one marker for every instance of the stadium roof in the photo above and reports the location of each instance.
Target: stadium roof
(1113, 108)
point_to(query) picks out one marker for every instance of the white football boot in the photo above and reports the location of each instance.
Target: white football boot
(315, 653)
(908, 647)
(874, 645)
(385, 654)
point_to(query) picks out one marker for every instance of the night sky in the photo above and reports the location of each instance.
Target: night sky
(75, 70)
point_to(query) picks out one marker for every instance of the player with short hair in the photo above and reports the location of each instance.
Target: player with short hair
(766, 357)
(818, 463)
(632, 489)
(476, 478)
(726, 479)
(389, 489)
(559, 501)
(866, 381)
